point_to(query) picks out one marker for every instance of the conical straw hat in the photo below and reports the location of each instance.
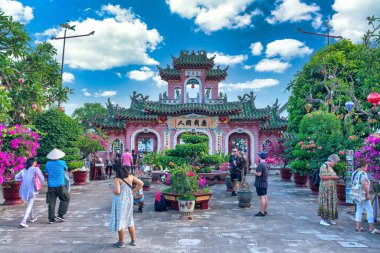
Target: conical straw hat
(55, 154)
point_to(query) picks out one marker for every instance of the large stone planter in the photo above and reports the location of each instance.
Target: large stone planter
(299, 181)
(286, 174)
(244, 198)
(186, 208)
(229, 184)
(201, 200)
(11, 193)
(80, 177)
(147, 182)
(214, 177)
(341, 194)
(314, 189)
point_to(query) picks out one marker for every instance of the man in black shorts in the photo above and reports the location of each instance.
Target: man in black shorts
(261, 183)
(234, 171)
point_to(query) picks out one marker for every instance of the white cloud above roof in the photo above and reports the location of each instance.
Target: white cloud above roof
(214, 15)
(272, 65)
(287, 49)
(17, 10)
(295, 11)
(120, 39)
(141, 75)
(256, 48)
(225, 59)
(249, 85)
(350, 18)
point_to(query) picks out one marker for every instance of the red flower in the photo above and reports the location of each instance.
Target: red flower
(341, 152)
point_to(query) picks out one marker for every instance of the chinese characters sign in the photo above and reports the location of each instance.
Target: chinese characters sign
(196, 73)
(202, 122)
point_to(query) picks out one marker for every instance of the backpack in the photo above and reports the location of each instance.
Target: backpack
(160, 203)
(357, 193)
(316, 178)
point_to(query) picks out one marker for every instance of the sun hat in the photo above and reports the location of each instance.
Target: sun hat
(55, 154)
(262, 155)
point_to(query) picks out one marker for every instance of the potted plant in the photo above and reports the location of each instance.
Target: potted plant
(244, 193)
(277, 152)
(146, 178)
(186, 185)
(16, 144)
(300, 169)
(79, 172)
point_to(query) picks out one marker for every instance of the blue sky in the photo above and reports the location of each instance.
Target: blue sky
(258, 39)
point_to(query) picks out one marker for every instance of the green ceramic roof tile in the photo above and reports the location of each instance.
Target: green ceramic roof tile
(250, 112)
(193, 59)
(275, 123)
(209, 109)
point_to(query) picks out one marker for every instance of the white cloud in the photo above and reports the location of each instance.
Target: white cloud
(294, 11)
(86, 92)
(159, 82)
(317, 22)
(68, 77)
(249, 85)
(120, 39)
(118, 74)
(225, 59)
(106, 93)
(141, 75)
(256, 48)
(287, 48)
(17, 10)
(214, 15)
(247, 67)
(272, 65)
(350, 18)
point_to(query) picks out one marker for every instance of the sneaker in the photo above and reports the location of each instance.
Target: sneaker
(51, 221)
(118, 245)
(140, 210)
(259, 214)
(33, 219)
(332, 222)
(23, 225)
(132, 243)
(324, 223)
(233, 193)
(60, 218)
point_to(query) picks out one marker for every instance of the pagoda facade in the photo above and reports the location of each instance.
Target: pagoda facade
(193, 103)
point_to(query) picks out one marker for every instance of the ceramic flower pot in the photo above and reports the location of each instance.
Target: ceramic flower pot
(80, 177)
(286, 174)
(229, 184)
(244, 198)
(299, 180)
(11, 193)
(147, 182)
(186, 208)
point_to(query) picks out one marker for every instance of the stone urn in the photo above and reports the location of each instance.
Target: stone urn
(80, 177)
(229, 184)
(11, 193)
(286, 174)
(186, 208)
(244, 198)
(299, 180)
(314, 188)
(147, 180)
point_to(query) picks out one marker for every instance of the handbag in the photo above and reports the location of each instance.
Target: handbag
(37, 182)
(357, 193)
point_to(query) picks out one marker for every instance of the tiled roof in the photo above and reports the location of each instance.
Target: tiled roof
(276, 123)
(250, 112)
(198, 59)
(136, 112)
(208, 109)
(174, 74)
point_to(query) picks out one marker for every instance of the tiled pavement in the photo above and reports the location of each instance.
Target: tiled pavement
(292, 225)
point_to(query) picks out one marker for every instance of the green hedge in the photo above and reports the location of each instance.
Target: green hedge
(186, 150)
(67, 151)
(194, 139)
(211, 159)
(74, 165)
(67, 158)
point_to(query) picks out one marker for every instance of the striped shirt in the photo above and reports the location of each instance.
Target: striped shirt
(262, 181)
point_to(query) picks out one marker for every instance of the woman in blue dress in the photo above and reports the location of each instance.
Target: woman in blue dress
(27, 191)
(122, 205)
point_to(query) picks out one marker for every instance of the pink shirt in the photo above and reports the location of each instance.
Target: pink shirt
(127, 159)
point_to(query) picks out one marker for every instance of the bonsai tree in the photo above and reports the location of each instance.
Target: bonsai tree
(184, 182)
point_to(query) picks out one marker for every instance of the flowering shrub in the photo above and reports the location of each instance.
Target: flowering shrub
(16, 144)
(276, 153)
(184, 182)
(370, 152)
(91, 143)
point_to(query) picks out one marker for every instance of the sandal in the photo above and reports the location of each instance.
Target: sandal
(375, 231)
(360, 229)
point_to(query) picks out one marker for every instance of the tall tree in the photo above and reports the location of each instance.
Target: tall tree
(29, 74)
(87, 113)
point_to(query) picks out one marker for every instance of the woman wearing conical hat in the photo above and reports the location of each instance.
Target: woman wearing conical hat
(55, 168)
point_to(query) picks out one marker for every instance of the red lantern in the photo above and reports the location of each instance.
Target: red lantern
(374, 98)
(193, 86)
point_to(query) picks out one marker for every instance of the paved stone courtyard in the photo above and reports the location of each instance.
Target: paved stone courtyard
(292, 225)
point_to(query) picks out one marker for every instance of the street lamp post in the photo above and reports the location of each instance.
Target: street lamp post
(68, 27)
(327, 35)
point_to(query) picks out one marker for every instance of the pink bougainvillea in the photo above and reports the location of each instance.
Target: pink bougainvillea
(370, 152)
(96, 137)
(16, 144)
